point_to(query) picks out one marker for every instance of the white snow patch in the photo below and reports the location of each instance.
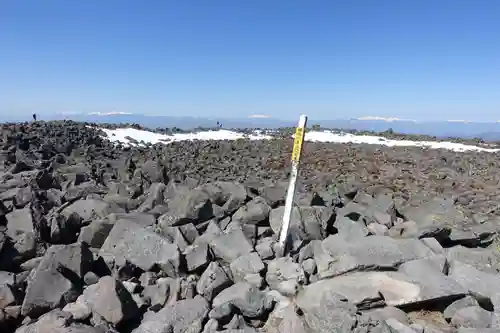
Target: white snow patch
(125, 134)
(328, 136)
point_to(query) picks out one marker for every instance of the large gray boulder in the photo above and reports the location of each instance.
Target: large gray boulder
(307, 223)
(435, 218)
(130, 242)
(193, 206)
(487, 260)
(462, 303)
(56, 280)
(111, 300)
(472, 317)
(350, 229)
(230, 245)
(95, 233)
(479, 283)
(229, 196)
(213, 280)
(254, 212)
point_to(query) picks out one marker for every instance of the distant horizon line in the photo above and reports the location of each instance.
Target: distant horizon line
(255, 116)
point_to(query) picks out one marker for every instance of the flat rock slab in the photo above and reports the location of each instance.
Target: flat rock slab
(128, 241)
(369, 289)
(373, 252)
(89, 209)
(184, 316)
(143, 219)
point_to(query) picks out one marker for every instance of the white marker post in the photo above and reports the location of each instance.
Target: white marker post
(290, 195)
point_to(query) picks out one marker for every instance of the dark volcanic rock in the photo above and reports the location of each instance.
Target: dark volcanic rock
(109, 299)
(58, 278)
(181, 237)
(130, 242)
(306, 222)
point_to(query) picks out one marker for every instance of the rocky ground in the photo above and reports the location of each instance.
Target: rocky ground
(182, 238)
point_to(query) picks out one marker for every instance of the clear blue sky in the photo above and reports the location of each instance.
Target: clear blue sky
(417, 59)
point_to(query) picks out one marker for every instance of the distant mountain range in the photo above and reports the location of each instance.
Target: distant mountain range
(451, 128)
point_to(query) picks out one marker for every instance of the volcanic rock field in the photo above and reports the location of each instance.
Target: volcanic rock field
(98, 236)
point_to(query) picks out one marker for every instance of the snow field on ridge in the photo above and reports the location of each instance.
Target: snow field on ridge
(123, 134)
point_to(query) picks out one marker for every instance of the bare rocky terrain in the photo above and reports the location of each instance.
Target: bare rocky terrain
(181, 238)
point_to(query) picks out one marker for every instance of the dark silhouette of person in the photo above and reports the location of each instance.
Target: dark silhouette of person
(34, 116)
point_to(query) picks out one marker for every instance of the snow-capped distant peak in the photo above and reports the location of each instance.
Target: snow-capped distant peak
(112, 113)
(259, 116)
(457, 121)
(388, 119)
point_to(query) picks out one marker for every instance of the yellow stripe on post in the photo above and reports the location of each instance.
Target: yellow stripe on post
(290, 195)
(297, 144)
